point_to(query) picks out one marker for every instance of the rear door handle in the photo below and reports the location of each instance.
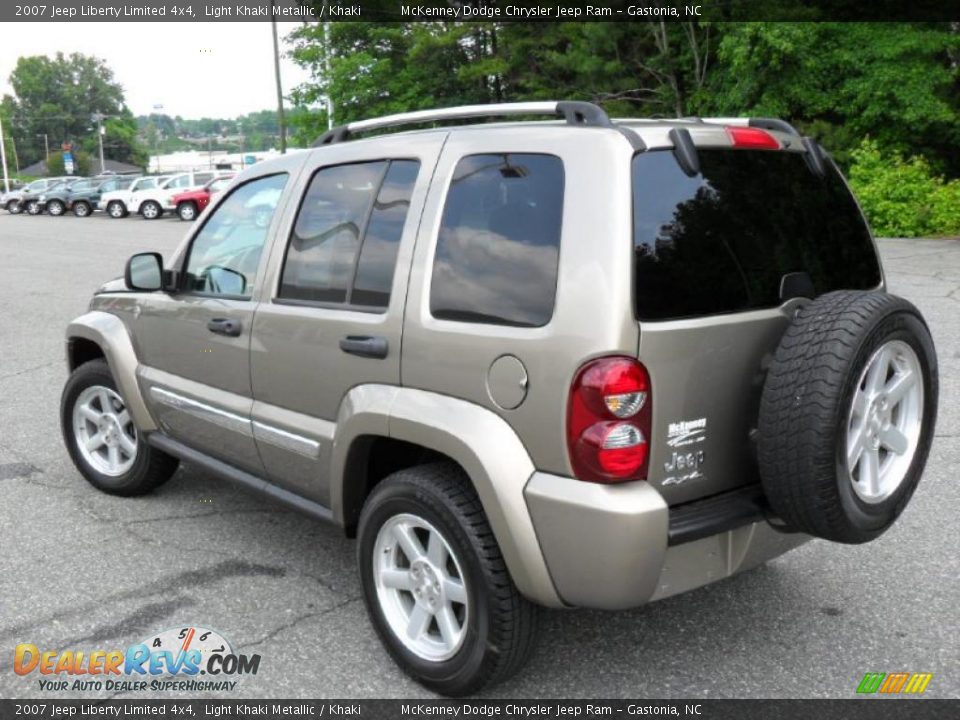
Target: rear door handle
(365, 346)
(225, 326)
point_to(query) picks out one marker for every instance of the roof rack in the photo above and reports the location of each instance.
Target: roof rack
(576, 113)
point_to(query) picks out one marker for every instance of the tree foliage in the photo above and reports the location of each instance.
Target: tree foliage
(59, 96)
(897, 83)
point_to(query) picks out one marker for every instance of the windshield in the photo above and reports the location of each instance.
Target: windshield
(722, 241)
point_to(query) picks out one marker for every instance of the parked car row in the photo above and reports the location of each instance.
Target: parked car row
(150, 196)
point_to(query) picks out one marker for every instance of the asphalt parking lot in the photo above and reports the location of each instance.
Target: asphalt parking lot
(83, 570)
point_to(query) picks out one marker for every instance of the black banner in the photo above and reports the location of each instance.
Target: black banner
(875, 709)
(472, 10)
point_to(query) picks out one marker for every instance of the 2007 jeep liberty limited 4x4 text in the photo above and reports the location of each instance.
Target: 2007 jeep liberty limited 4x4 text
(571, 363)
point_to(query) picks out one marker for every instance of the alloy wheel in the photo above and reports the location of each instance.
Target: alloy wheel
(104, 431)
(420, 586)
(884, 422)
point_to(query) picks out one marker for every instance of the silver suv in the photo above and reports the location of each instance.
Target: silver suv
(572, 363)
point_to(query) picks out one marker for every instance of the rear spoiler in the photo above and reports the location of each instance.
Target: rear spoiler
(686, 151)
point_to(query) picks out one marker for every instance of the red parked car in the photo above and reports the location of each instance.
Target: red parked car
(191, 203)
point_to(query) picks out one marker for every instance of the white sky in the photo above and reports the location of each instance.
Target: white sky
(202, 69)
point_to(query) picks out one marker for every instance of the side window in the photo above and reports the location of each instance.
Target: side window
(344, 243)
(499, 241)
(225, 254)
(202, 178)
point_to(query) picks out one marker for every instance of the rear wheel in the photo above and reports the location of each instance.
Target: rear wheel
(116, 209)
(82, 209)
(187, 211)
(33, 208)
(435, 584)
(151, 210)
(103, 441)
(56, 207)
(13, 207)
(847, 415)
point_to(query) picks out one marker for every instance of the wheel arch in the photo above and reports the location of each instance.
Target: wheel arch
(387, 419)
(102, 335)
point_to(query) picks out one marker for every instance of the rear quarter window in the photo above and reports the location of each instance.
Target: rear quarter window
(720, 242)
(499, 241)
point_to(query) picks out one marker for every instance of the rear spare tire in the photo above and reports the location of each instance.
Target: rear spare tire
(847, 415)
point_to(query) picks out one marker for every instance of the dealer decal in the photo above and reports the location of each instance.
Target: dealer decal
(168, 660)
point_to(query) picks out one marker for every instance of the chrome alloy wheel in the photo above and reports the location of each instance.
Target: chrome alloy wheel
(420, 587)
(150, 210)
(115, 209)
(104, 431)
(884, 423)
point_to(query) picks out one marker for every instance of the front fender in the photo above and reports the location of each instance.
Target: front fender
(483, 444)
(111, 336)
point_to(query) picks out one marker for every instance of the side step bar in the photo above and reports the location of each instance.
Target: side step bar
(239, 477)
(710, 516)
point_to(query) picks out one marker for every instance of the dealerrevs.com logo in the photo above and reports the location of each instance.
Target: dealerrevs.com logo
(170, 660)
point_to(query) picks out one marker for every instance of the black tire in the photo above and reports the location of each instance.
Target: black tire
(805, 405)
(116, 209)
(501, 625)
(81, 208)
(33, 208)
(151, 210)
(13, 207)
(187, 211)
(151, 467)
(56, 208)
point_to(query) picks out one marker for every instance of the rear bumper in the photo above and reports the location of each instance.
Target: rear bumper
(620, 546)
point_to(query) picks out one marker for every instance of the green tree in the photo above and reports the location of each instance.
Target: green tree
(896, 82)
(58, 97)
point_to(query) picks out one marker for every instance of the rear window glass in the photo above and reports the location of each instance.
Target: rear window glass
(720, 242)
(499, 241)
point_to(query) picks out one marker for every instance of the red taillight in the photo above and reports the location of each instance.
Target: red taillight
(752, 138)
(608, 421)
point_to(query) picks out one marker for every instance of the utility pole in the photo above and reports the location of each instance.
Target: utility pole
(326, 65)
(16, 158)
(100, 130)
(3, 159)
(281, 121)
(46, 147)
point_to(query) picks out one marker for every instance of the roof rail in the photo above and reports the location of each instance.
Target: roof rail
(576, 113)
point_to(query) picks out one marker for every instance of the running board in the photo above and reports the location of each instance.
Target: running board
(239, 477)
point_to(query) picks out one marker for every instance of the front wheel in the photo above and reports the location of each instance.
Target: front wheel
(81, 209)
(103, 441)
(187, 211)
(151, 210)
(13, 207)
(33, 208)
(116, 209)
(435, 583)
(55, 208)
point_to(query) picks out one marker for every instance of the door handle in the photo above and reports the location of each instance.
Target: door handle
(364, 346)
(225, 326)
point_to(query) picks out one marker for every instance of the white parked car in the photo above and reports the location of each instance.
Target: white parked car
(117, 203)
(153, 202)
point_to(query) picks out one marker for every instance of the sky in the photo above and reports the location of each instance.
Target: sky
(203, 69)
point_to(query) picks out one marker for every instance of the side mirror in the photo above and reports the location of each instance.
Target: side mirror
(224, 280)
(144, 272)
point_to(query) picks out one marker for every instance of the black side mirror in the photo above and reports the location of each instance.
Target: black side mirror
(144, 272)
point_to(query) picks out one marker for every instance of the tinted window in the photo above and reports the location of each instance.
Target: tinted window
(378, 256)
(225, 254)
(499, 241)
(721, 241)
(346, 208)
